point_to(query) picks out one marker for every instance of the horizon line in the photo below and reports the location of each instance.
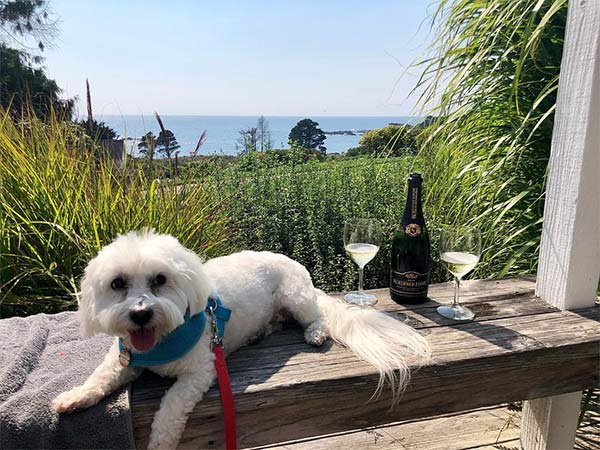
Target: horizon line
(253, 115)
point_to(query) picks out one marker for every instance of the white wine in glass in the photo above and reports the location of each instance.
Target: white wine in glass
(361, 253)
(362, 238)
(460, 250)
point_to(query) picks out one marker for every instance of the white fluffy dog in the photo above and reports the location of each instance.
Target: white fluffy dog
(140, 286)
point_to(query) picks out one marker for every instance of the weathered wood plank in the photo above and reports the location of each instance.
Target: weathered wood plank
(475, 364)
(490, 338)
(425, 318)
(471, 291)
(490, 426)
(266, 417)
(489, 298)
(493, 428)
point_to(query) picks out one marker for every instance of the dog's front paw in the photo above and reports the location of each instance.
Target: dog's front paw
(162, 441)
(77, 398)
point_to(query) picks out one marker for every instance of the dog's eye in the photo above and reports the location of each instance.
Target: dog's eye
(160, 279)
(118, 284)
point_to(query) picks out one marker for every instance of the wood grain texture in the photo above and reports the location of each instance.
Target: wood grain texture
(553, 421)
(569, 264)
(518, 348)
(489, 426)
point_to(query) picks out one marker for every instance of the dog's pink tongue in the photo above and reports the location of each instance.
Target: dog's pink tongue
(142, 339)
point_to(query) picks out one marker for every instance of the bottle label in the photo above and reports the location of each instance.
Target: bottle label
(415, 197)
(410, 284)
(412, 229)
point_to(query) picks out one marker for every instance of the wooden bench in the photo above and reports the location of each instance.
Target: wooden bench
(517, 348)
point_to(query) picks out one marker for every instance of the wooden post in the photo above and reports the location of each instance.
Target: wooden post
(569, 264)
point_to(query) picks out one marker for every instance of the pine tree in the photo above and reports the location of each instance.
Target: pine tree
(166, 143)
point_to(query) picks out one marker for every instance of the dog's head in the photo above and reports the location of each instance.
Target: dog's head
(139, 288)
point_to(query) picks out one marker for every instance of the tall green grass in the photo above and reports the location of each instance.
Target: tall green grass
(492, 80)
(61, 200)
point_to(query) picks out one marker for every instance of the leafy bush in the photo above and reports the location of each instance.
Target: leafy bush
(60, 203)
(299, 210)
(393, 140)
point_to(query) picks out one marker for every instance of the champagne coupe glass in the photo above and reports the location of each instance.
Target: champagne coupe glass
(362, 238)
(460, 250)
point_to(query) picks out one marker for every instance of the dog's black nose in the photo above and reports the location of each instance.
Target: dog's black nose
(140, 315)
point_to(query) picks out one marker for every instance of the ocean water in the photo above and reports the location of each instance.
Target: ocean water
(223, 131)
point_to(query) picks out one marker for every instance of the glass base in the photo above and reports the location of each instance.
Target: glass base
(360, 298)
(456, 312)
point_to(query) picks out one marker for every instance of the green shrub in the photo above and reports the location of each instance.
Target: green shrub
(392, 140)
(61, 201)
(299, 210)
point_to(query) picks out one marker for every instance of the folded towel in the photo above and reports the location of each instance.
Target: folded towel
(40, 357)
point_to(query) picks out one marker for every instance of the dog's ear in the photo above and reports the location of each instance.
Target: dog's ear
(87, 321)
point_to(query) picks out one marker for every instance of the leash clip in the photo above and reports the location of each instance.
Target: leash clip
(217, 339)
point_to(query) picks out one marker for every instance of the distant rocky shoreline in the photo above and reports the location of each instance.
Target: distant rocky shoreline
(357, 132)
(347, 132)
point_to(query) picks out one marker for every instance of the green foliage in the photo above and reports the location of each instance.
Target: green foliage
(300, 209)
(23, 86)
(23, 83)
(60, 203)
(307, 134)
(493, 76)
(200, 167)
(98, 131)
(147, 144)
(166, 143)
(392, 140)
(277, 158)
(248, 140)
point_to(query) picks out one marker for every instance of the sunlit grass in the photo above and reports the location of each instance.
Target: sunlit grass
(62, 199)
(492, 80)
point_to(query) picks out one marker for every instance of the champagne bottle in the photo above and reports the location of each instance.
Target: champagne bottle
(409, 274)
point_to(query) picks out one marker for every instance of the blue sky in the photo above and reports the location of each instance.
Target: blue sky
(242, 57)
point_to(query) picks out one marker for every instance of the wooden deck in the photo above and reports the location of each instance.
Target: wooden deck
(517, 348)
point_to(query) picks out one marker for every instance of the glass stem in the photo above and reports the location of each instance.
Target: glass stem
(456, 291)
(360, 280)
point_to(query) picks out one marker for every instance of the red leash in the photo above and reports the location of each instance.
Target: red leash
(226, 398)
(219, 315)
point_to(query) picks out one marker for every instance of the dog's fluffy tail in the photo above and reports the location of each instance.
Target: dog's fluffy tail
(377, 338)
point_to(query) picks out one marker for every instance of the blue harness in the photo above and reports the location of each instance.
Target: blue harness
(181, 340)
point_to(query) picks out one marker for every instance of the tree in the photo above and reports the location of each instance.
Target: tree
(98, 131)
(248, 140)
(22, 20)
(307, 134)
(263, 134)
(22, 84)
(167, 143)
(147, 144)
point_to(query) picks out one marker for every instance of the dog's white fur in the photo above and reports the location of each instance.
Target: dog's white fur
(256, 286)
